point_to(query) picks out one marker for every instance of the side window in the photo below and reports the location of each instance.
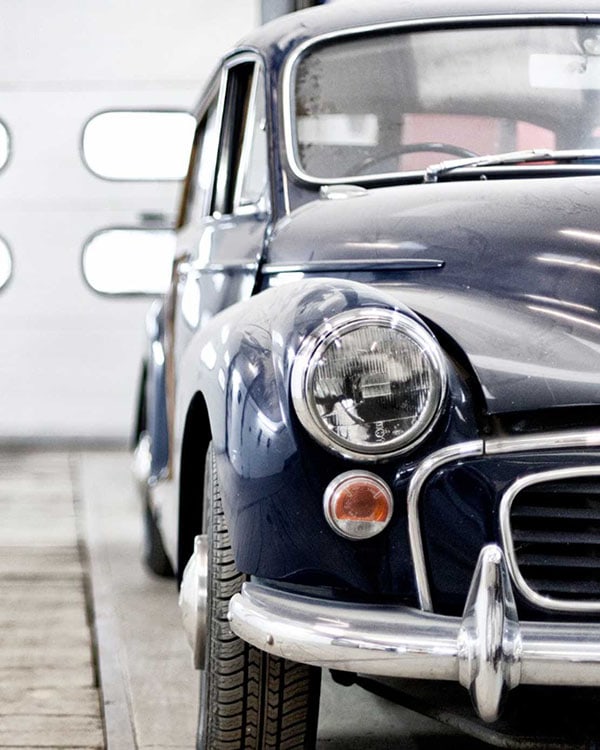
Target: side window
(206, 142)
(253, 176)
(242, 172)
(237, 104)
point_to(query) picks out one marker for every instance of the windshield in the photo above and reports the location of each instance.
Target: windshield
(379, 104)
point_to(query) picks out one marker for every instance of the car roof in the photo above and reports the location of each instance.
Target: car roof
(288, 31)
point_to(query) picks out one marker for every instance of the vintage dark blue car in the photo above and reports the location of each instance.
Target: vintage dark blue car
(370, 418)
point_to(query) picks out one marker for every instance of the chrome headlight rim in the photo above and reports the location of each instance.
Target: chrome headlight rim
(304, 367)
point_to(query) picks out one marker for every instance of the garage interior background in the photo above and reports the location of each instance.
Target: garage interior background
(70, 359)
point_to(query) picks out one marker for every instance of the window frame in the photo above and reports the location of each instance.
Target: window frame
(238, 93)
(218, 86)
(187, 205)
(288, 145)
(258, 83)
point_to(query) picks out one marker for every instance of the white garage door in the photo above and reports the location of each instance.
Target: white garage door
(69, 359)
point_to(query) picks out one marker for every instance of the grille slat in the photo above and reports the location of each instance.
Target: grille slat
(555, 528)
(589, 514)
(576, 487)
(529, 560)
(569, 589)
(535, 536)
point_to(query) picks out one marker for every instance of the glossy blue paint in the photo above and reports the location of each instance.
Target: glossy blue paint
(272, 474)
(500, 264)
(279, 37)
(518, 288)
(512, 299)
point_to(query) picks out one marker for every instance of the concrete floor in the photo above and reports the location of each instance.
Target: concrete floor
(49, 694)
(70, 547)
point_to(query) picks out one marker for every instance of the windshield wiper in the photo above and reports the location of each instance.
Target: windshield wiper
(434, 171)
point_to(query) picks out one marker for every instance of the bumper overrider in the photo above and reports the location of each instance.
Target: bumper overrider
(487, 650)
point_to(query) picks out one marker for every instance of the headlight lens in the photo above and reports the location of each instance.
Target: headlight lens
(369, 383)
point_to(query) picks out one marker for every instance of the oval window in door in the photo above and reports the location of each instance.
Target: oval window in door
(129, 261)
(4, 145)
(6, 263)
(138, 144)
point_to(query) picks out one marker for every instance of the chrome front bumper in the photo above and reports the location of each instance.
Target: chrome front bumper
(487, 650)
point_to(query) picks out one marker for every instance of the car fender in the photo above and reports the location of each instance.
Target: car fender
(272, 492)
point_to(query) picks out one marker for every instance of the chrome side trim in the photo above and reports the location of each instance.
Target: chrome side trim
(487, 650)
(430, 465)
(546, 441)
(354, 264)
(407, 25)
(286, 193)
(539, 600)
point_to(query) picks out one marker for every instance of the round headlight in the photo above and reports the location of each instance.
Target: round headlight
(368, 383)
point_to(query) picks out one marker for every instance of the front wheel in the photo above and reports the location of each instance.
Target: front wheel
(249, 699)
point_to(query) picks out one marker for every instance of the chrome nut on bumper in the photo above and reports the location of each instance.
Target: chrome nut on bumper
(487, 650)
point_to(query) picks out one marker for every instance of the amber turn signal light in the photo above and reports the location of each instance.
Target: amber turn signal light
(358, 504)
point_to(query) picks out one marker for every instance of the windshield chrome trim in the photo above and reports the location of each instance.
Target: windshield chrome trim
(548, 441)
(424, 24)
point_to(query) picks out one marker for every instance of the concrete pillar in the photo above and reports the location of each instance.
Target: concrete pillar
(273, 8)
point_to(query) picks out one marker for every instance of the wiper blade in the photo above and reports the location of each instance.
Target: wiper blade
(434, 171)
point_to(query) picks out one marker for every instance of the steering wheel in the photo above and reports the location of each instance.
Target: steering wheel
(366, 165)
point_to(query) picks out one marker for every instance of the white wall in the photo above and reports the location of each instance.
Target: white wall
(69, 359)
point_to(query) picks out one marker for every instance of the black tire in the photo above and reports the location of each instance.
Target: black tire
(249, 700)
(154, 555)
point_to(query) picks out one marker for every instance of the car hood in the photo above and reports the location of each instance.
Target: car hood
(516, 285)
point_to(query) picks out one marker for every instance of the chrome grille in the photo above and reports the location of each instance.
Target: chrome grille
(555, 529)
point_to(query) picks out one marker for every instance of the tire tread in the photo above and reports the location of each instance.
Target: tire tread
(253, 700)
